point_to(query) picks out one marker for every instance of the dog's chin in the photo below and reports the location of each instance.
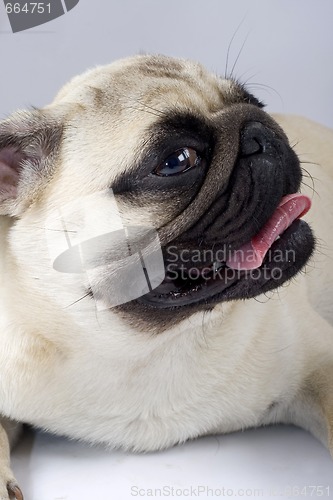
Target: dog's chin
(201, 288)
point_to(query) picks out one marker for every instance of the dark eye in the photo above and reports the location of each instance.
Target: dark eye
(178, 162)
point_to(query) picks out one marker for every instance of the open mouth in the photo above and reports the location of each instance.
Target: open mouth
(273, 255)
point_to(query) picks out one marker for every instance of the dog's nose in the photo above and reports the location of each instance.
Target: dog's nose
(255, 139)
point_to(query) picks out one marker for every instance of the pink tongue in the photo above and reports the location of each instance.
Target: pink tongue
(252, 254)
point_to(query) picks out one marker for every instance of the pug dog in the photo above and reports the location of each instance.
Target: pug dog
(163, 275)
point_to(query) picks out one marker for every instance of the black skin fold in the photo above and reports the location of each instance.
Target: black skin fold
(221, 203)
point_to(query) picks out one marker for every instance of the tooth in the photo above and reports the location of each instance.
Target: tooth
(217, 265)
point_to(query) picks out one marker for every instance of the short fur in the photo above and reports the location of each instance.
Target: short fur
(131, 376)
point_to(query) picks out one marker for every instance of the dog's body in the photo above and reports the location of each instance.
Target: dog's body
(144, 375)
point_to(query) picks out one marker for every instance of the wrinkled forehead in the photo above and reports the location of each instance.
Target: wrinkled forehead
(156, 81)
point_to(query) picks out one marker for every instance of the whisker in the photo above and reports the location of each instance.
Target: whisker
(264, 87)
(245, 82)
(311, 186)
(145, 111)
(308, 175)
(239, 54)
(204, 323)
(310, 163)
(262, 301)
(229, 47)
(158, 111)
(56, 230)
(257, 222)
(78, 300)
(322, 247)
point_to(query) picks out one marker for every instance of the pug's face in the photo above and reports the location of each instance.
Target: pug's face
(185, 153)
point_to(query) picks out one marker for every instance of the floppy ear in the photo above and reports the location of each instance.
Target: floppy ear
(29, 145)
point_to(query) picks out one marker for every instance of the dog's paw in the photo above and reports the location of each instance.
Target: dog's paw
(9, 490)
(14, 491)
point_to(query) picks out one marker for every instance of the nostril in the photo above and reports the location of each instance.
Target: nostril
(251, 147)
(254, 139)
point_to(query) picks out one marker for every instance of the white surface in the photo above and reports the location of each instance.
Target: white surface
(263, 463)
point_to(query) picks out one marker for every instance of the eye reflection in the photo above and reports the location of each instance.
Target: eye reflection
(178, 162)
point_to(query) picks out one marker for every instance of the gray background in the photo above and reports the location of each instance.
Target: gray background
(286, 58)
